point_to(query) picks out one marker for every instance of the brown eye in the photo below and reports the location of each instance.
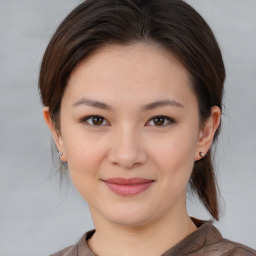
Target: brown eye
(162, 121)
(94, 120)
(97, 120)
(159, 120)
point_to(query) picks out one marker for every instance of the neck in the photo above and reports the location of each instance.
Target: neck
(141, 240)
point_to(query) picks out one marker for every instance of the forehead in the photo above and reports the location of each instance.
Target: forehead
(128, 57)
(138, 71)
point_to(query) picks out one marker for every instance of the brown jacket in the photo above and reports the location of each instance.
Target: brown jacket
(205, 241)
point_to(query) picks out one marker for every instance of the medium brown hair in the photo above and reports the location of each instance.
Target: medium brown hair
(174, 25)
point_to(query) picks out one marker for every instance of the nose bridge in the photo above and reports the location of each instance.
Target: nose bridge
(127, 148)
(128, 139)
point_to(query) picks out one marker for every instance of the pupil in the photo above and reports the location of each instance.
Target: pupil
(96, 120)
(159, 122)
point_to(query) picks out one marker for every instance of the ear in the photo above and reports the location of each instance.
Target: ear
(55, 133)
(206, 134)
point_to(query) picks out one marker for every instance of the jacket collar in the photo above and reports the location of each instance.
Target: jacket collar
(206, 234)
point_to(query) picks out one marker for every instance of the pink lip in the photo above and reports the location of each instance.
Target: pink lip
(127, 187)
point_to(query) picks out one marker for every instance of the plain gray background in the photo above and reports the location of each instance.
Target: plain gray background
(38, 218)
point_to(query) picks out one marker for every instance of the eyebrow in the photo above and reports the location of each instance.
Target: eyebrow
(152, 105)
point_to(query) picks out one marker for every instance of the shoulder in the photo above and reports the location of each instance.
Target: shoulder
(68, 251)
(212, 243)
(80, 248)
(227, 248)
(232, 248)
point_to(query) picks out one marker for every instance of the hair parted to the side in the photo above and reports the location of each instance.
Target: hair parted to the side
(172, 24)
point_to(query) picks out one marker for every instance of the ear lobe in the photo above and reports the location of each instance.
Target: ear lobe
(56, 135)
(207, 133)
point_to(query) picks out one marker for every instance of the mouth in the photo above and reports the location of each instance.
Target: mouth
(128, 187)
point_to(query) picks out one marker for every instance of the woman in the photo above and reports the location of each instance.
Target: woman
(132, 91)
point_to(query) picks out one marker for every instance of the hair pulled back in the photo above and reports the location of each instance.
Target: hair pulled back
(174, 25)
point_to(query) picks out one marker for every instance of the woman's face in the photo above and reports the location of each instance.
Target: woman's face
(130, 89)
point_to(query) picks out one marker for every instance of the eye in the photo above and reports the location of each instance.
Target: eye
(95, 120)
(162, 121)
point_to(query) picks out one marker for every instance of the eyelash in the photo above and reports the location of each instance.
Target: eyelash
(169, 119)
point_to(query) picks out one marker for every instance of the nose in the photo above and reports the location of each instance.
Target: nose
(127, 150)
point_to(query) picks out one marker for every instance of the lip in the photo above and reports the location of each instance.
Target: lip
(128, 187)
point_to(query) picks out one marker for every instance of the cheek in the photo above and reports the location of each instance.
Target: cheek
(84, 164)
(84, 154)
(175, 155)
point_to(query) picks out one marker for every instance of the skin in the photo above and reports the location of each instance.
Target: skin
(129, 143)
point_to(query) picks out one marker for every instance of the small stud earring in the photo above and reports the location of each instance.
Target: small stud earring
(60, 154)
(201, 154)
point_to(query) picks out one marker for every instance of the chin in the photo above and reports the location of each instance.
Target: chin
(129, 216)
(131, 221)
